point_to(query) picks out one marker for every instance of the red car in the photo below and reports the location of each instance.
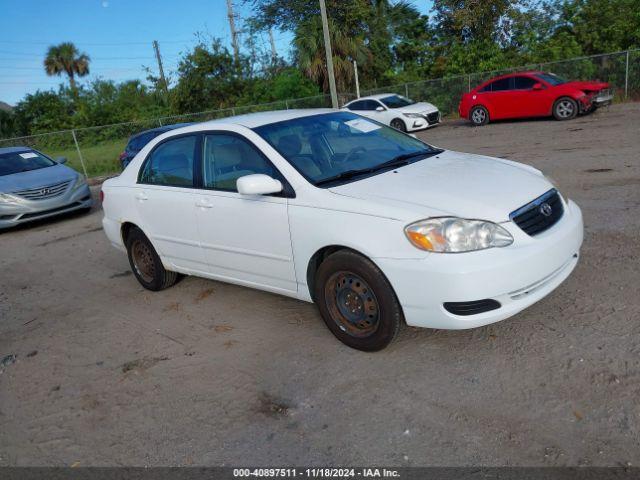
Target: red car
(532, 94)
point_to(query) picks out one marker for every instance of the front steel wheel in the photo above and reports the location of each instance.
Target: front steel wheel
(357, 302)
(352, 303)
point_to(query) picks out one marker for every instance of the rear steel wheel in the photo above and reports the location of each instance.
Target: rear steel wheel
(146, 264)
(143, 260)
(479, 116)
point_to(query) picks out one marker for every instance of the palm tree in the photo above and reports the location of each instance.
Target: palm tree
(65, 58)
(309, 46)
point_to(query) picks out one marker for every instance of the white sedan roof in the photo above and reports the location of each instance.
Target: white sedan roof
(253, 120)
(377, 96)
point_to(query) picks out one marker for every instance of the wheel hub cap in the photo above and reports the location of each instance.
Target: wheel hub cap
(352, 304)
(143, 261)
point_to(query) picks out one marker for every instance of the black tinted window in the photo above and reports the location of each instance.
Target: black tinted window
(226, 158)
(11, 163)
(171, 163)
(524, 83)
(357, 105)
(373, 105)
(502, 84)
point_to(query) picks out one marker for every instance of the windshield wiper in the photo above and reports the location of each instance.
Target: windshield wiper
(344, 176)
(403, 159)
(397, 161)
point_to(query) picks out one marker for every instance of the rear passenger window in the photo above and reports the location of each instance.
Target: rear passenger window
(171, 163)
(357, 105)
(502, 84)
(524, 83)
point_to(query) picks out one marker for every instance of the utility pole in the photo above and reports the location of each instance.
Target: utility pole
(328, 51)
(355, 72)
(160, 69)
(234, 33)
(274, 55)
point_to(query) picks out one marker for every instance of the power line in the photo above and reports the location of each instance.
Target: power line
(115, 44)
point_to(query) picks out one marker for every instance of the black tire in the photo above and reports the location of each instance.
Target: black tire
(398, 125)
(146, 264)
(369, 299)
(565, 108)
(479, 116)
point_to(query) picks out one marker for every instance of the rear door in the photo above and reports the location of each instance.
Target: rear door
(165, 200)
(498, 97)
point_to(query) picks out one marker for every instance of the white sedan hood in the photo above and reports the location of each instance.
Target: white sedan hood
(453, 183)
(420, 107)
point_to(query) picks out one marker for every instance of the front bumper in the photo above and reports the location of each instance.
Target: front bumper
(425, 120)
(602, 98)
(516, 276)
(12, 214)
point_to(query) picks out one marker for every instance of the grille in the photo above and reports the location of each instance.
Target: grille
(42, 193)
(471, 308)
(47, 212)
(539, 215)
(433, 117)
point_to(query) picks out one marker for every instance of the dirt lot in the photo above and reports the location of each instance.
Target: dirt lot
(210, 374)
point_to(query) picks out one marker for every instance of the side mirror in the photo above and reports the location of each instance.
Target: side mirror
(258, 184)
(61, 160)
(380, 109)
(538, 86)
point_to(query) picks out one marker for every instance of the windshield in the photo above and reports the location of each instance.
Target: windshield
(551, 78)
(397, 101)
(17, 162)
(342, 144)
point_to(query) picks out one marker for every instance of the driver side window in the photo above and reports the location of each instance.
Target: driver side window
(225, 158)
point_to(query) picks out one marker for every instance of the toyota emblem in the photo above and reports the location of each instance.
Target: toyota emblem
(546, 210)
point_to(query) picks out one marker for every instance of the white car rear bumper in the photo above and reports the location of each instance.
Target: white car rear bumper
(516, 276)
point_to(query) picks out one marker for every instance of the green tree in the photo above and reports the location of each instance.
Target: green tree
(66, 59)
(207, 79)
(311, 57)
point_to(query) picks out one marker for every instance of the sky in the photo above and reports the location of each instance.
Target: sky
(116, 34)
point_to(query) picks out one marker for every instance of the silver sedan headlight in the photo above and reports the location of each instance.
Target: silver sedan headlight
(5, 198)
(455, 235)
(80, 181)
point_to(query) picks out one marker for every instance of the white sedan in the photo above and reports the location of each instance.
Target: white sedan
(396, 111)
(376, 227)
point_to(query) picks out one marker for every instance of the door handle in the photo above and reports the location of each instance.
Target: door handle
(203, 204)
(141, 196)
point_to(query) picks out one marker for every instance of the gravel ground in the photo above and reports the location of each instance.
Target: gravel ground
(205, 373)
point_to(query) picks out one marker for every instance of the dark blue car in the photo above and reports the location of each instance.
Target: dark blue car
(139, 140)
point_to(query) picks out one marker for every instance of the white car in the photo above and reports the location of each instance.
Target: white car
(374, 226)
(396, 111)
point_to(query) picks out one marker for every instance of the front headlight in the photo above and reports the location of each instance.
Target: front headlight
(413, 115)
(6, 198)
(455, 235)
(80, 181)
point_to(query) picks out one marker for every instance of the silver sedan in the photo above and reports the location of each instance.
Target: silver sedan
(33, 186)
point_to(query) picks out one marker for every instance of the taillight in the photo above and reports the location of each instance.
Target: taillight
(101, 196)
(123, 155)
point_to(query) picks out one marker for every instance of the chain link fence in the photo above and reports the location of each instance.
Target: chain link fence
(94, 151)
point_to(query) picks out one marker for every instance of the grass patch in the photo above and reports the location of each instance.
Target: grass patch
(100, 159)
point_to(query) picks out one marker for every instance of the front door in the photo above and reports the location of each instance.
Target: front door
(245, 238)
(165, 200)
